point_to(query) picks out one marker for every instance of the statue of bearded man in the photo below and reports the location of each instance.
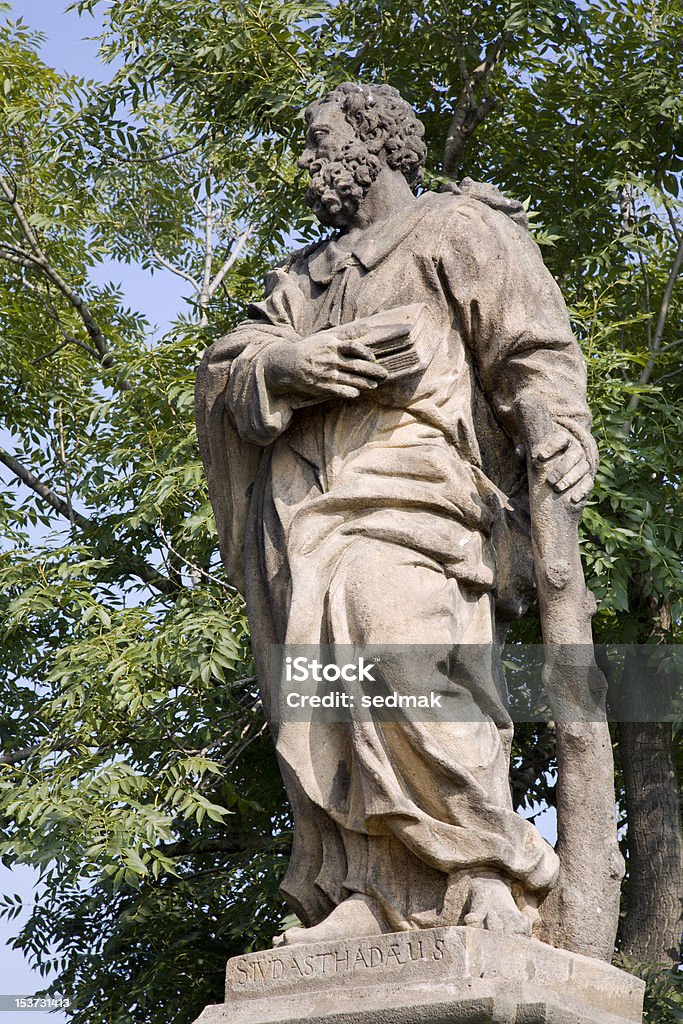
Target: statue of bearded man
(355, 511)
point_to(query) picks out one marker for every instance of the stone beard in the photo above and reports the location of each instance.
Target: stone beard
(353, 512)
(339, 184)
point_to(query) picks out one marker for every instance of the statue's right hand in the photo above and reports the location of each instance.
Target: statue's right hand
(322, 366)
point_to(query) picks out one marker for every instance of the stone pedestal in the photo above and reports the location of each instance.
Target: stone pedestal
(433, 976)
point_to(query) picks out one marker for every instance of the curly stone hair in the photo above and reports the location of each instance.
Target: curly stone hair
(384, 122)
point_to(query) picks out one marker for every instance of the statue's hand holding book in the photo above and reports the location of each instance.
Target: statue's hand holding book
(353, 359)
(402, 339)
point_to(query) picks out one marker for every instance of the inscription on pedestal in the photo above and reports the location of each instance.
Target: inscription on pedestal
(277, 970)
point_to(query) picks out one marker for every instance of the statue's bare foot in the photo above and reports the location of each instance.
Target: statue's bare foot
(492, 906)
(359, 915)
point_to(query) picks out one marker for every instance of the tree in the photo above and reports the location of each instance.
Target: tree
(136, 771)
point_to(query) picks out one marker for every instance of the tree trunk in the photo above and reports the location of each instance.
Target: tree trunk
(650, 931)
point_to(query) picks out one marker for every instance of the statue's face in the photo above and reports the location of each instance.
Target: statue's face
(340, 165)
(327, 132)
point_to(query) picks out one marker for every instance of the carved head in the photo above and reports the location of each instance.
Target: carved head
(353, 132)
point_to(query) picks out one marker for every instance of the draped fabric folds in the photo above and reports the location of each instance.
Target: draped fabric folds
(398, 519)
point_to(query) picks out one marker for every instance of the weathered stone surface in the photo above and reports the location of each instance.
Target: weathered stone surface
(359, 501)
(441, 976)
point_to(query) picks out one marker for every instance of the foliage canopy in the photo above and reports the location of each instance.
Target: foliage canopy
(135, 771)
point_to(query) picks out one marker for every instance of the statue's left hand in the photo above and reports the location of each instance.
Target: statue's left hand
(568, 469)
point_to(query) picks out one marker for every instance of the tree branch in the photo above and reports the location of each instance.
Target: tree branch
(659, 329)
(205, 294)
(236, 844)
(87, 318)
(283, 49)
(175, 270)
(196, 570)
(54, 315)
(248, 735)
(469, 114)
(41, 489)
(668, 376)
(38, 259)
(234, 255)
(17, 756)
(128, 560)
(115, 157)
(65, 462)
(672, 221)
(68, 340)
(669, 212)
(144, 225)
(13, 254)
(27, 230)
(52, 352)
(201, 210)
(635, 227)
(24, 753)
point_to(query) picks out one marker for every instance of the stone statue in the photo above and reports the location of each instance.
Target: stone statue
(359, 507)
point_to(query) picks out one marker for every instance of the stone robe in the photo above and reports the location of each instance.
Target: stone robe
(396, 518)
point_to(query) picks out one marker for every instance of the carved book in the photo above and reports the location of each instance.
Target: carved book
(403, 338)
